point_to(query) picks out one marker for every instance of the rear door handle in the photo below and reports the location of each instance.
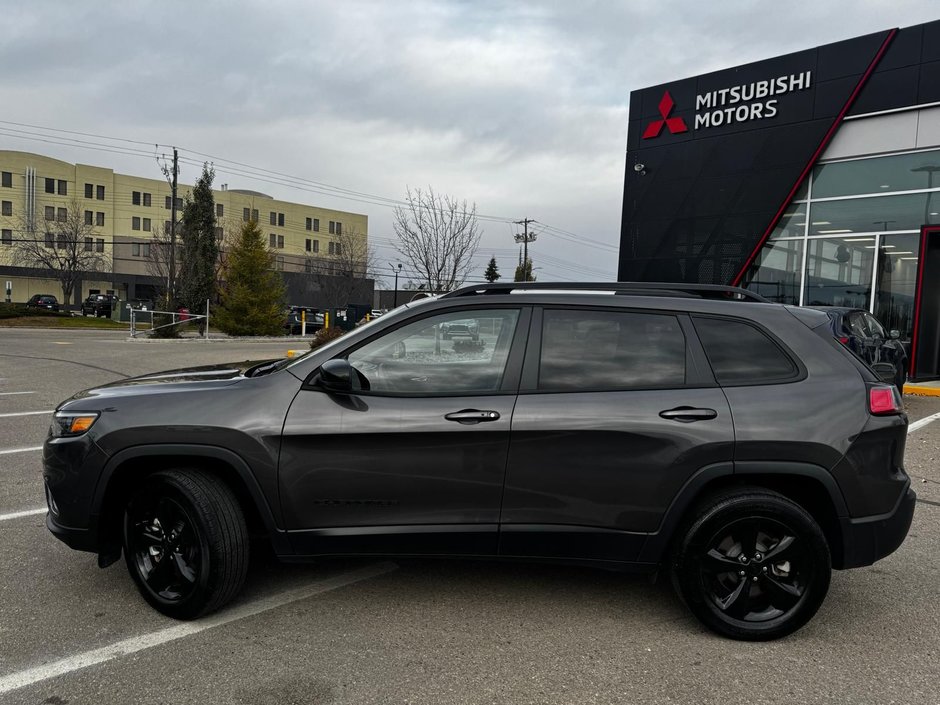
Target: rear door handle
(470, 416)
(687, 414)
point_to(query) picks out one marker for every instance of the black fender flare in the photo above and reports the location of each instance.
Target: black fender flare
(231, 459)
(657, 543)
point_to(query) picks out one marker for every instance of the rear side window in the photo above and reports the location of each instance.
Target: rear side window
(741, 354)
(585, 350)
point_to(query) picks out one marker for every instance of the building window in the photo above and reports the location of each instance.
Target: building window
(6, 237)
(62, 215)
(89, 243)
(99, 193)
(89, 218)
(166, 227)
(280, 242)
(61, 241)
(279, 263)
(272, 240)
(316, 246)
(168, 204)
(135, 249)
(332, 248)
(316, 225)
(63, 188)
(280, 220)
(309, 244)
(145, 249)
(254, 215)
(246, 214)
(219, 210)
(6, 208)
(332, 227)
(339, 228)
(99, 244)
(309, 223)
(135, 223)
(219, 235)
(99, 219)
(50, 185)
(273, 218)
(50, 240)
(135, 198)
(50, 213)
(147, 200)
(146, 225)
(7, 179)
(89, 190)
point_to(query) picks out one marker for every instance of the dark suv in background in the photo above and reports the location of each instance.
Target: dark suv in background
(47, 302)
(731, 444)
(98, 305)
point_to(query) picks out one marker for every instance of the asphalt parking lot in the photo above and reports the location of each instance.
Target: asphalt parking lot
(417, 631)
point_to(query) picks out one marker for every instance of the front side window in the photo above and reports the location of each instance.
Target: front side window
(451, 354)
(740, 354)
(596, 350)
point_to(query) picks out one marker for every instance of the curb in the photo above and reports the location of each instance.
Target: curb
(921, 390)
(297, 353)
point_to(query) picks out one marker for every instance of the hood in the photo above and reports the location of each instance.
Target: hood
(184, 379)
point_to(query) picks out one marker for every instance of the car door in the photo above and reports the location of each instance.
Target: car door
(415, 461)
(617, 410)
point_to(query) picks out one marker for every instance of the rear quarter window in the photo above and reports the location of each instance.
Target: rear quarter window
(742, 354)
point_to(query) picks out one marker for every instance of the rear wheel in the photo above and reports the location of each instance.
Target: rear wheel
(752, 565)
(185, 543)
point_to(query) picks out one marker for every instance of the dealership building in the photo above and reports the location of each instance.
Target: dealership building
(810, 178)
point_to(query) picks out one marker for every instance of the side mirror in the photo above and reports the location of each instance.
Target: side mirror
(336, 376)
(894, 334)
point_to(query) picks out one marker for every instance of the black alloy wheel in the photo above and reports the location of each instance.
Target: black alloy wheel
(753, 565)
(185, 542)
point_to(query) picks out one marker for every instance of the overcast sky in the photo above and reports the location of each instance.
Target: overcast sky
(519, 107)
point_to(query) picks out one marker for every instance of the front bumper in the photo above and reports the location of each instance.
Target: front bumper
(868, 539)
(79, 539)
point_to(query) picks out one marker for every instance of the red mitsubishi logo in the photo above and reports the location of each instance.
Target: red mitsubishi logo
(676, 125)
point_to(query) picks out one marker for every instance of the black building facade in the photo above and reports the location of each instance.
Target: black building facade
(811, 178)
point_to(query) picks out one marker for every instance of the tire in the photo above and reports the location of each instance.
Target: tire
(786, 574)
(210, 550)
(900, 379)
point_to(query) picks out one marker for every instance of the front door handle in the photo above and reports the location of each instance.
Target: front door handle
(470, 416)
(687, 414)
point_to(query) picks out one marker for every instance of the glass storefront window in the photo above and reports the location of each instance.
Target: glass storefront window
(901, 172)
(838, 271)
(895, 280)
(776, 273)
(866, 215)
(792, 222)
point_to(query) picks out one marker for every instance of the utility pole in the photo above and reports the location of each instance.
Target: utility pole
(525, 239)
(171, 294)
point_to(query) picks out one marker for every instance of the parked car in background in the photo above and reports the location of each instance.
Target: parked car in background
(98, 305)
(43, 301)
(293, 323)
(698, 431)
(464, 328)
(864, 335)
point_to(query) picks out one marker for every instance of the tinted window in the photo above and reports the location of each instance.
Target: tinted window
(739, 353)
(450, 354)
(598, 350)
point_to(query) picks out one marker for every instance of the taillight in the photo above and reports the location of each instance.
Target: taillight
(844, 339)
(883, 399)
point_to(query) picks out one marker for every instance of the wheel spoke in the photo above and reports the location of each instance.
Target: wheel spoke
(783, 594)
(187, 572)
(717, 562)
(781, 551)
(160, 576)
(747, 535)
(734, 602)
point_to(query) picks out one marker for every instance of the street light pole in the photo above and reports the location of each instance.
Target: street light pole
(395, 271)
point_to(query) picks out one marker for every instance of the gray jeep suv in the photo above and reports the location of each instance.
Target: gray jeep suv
(695, 431)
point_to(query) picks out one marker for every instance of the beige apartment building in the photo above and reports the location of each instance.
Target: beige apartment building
(127, 212)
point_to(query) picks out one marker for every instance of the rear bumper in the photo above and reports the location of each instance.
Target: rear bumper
(868, 539)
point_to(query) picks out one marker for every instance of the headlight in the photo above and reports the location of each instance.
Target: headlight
(71, 423)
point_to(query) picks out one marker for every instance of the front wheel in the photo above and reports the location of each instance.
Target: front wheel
(185, 543)
(752, 565)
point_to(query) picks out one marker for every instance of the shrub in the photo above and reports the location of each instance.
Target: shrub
(326, 335)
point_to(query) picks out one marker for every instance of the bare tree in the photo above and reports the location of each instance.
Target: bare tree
(340, 273)
(438, 235)
(63, 245)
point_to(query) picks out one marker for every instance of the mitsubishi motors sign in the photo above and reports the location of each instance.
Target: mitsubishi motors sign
(757, 100)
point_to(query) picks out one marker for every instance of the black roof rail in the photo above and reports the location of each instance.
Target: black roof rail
(679, 289)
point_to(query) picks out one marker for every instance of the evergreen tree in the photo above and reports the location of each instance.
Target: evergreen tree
(200, 249)
(492, 272)
(253, 293)
(524, 274)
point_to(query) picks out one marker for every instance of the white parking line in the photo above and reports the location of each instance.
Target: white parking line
(10, 394)
(9, 451)
(25, 413)
(24, 513)
(85, 659)
(920, 423)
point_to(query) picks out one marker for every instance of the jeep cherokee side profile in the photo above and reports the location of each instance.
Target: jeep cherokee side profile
(696, 431)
